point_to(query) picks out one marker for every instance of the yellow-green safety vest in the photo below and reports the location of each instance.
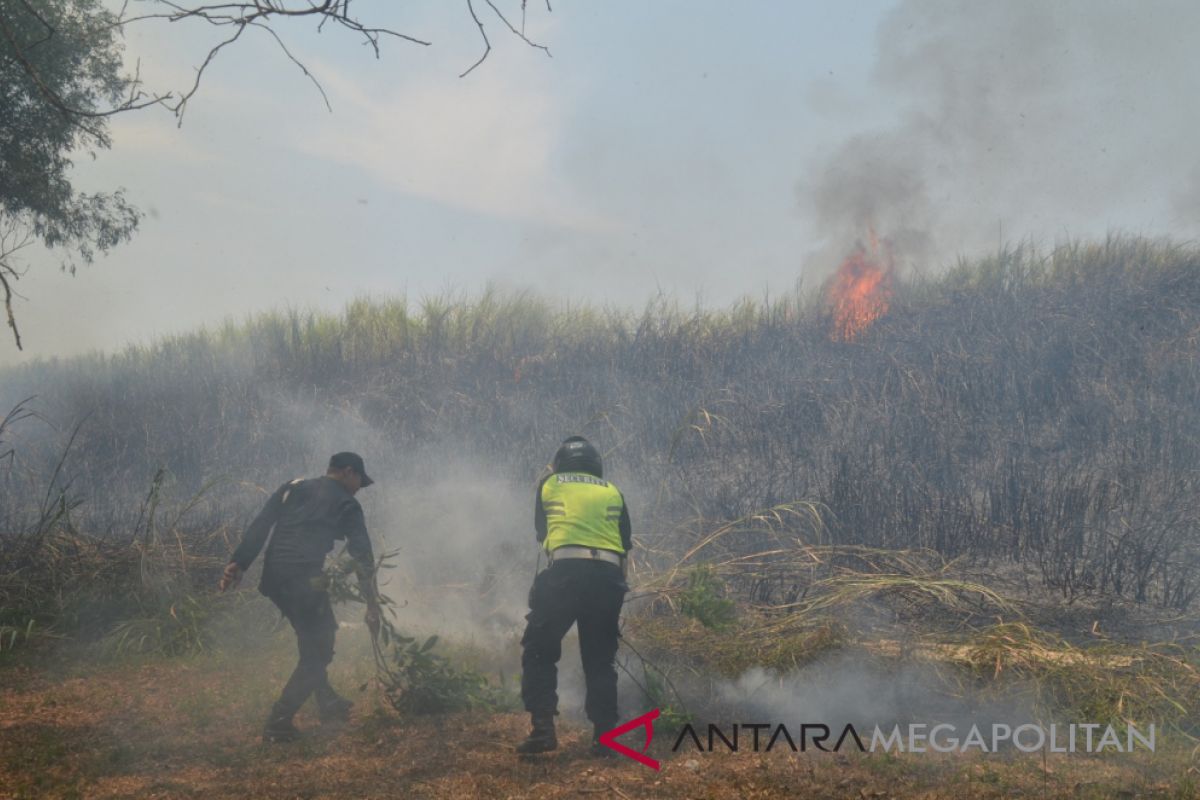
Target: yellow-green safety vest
(582, 510)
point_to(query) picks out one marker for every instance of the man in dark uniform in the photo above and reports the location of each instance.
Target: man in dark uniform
(307, 517)
(583, 523)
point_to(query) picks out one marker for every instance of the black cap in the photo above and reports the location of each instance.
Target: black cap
(353, 460)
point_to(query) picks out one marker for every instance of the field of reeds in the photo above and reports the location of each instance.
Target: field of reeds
(999, 477)
(1027, 409)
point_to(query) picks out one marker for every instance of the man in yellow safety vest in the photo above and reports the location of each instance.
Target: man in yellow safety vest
(583, 524)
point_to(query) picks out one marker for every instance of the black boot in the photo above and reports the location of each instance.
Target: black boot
(541, 739)
(333, 708)
(279, 728)
(599, 749)
(337, 712)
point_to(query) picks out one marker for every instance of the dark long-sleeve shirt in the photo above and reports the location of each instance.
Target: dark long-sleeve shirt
(540, 526)
(308, 516)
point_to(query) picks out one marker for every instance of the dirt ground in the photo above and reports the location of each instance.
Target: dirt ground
(189, 728)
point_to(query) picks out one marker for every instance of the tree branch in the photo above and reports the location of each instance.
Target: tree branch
(237, 14)
(297, 62)
(487, 45)
(259, 14)
(76, 115)
(8, 308)
(520, 34)
(33, 12)
(179, 108)
(11, 241)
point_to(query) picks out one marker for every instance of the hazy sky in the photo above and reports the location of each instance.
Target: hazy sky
(709, 150)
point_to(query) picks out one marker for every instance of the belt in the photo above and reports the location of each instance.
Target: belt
(591, 553)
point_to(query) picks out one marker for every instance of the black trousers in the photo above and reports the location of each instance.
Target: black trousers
(589, 593)
(306, 606)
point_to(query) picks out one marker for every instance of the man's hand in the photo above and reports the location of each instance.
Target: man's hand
(231, 577)
(372, 618)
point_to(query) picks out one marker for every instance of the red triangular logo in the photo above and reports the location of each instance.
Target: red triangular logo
(646, 721)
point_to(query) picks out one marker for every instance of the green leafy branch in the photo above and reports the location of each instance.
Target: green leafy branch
(414, 678)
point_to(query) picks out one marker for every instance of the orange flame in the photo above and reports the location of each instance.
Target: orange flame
(860, 291)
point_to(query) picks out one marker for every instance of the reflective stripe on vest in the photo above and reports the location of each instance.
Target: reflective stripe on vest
(582, 510)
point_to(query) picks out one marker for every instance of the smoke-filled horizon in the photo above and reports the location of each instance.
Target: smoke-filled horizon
(704, 172)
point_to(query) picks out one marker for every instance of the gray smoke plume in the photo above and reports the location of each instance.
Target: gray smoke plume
(1018, 120)
(846, 689)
